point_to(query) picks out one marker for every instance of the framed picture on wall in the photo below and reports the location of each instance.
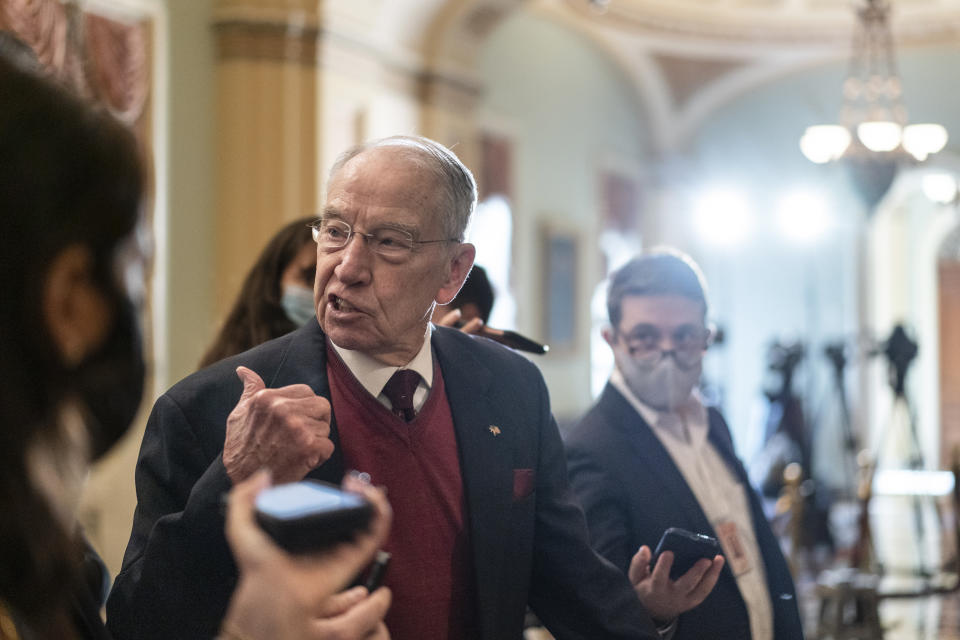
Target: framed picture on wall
(619, 201)
(559, 255)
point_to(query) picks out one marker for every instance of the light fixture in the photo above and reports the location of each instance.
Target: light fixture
(803, 215)
(920, 140)
(825, 142)
(941, 188)
(873, 134)
(722, 216)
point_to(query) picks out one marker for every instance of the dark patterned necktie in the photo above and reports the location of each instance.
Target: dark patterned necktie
(399, 390)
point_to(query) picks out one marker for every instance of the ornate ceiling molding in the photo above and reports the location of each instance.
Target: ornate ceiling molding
(780, 22)
(680, 83)
(686, 76)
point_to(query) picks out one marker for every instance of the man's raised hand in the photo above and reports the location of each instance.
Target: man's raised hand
(285, 430)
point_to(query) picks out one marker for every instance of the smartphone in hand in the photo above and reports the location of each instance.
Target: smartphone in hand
(687, 548)
(311, 516)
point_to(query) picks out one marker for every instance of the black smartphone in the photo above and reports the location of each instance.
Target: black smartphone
(687, 548)
(309, 515)
(516, 341)
(376, 571)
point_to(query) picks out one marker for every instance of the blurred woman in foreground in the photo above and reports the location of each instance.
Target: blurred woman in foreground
(71, 378)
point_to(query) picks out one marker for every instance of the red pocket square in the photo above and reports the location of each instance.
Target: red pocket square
(524, 481)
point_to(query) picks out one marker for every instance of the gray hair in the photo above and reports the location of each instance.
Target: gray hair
(661, 271)
(460, 189)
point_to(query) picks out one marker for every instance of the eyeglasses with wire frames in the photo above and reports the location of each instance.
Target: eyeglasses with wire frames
(689, 342)
(333, 234)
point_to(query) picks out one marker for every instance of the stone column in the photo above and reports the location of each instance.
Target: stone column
(266, 138)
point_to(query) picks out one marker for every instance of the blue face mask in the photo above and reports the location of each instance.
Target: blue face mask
(297, 303)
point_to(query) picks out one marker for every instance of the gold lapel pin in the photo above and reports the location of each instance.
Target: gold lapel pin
(495, 430)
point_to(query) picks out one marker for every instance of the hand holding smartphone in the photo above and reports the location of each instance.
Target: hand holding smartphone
(687, 548)
(281, 595)
(310, 516)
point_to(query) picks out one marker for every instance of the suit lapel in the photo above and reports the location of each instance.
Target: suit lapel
(305, 362)
(719, 436)
(651, 454)
(485, 465)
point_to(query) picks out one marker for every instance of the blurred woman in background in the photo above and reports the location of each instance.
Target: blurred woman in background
(72, 375)
(276, 296)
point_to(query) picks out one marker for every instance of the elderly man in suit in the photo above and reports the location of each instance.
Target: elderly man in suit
(457, 428)
(649, 455)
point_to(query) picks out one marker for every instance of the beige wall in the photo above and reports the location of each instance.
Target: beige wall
(193, 198)
(182, 282)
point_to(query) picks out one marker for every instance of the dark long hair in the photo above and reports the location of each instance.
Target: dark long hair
(257, 315)
(69, 175)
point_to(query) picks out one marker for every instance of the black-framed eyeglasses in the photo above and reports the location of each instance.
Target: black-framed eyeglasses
(333, 234)
(689, 342)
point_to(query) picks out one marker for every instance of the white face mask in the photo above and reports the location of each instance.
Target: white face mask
(297, 303)
(664, 385)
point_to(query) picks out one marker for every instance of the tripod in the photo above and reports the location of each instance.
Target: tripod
(900, 351)
(836, 353)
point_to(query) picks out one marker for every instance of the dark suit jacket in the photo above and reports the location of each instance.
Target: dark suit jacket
(529, 546)
(632, 491)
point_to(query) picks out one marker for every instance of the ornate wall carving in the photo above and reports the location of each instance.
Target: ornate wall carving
(99, 57)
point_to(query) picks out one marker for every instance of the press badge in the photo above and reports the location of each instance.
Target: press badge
(736, 555)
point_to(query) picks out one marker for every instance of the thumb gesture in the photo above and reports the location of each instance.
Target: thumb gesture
(285, 430)
(252, 382)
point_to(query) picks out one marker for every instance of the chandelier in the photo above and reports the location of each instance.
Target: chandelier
(873, 135)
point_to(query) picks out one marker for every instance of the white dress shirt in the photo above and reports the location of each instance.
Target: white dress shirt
(373, 374)
(723, 499)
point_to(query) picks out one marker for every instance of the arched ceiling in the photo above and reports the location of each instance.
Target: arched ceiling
(685, 58)
(765, 21)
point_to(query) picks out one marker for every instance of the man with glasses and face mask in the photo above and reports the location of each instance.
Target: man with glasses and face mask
(650, 456)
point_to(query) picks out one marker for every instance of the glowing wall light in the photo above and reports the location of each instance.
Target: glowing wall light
(802, 216)
(722, 216)
(940, 187)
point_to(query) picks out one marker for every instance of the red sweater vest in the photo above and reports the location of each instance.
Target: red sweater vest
(431, 571)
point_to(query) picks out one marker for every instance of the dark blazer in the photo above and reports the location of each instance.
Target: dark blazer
(632, 491)
(528, 535)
